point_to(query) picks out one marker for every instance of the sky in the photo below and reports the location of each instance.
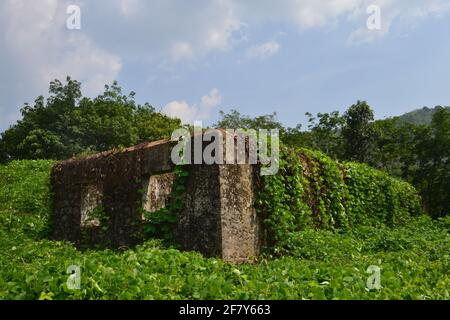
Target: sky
(191, 59)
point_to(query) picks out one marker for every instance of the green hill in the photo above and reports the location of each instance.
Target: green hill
(421, 116)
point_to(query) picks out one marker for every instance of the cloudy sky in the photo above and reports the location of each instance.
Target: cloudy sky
(194, 58)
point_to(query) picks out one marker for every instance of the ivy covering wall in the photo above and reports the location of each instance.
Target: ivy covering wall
(313, 191)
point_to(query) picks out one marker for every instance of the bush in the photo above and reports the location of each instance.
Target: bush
(25, 198)
(312, 190)
(24, 186)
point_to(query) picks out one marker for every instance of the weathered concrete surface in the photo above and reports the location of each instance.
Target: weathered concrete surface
(218, 218)
(156, 191)
(241, 231)
(199, 226)
(118, 177)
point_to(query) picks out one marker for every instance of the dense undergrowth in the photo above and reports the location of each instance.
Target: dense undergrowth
(327, 263)
(312, 190)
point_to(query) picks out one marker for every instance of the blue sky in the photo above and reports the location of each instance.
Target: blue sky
(192, 59)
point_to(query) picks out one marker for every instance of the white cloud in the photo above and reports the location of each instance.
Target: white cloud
(212, 100)
(190, 113)
(264, 51)
(128, 7)
(406, 14)
(163, 31)
(302, 13)
(182, 51)
(37, 48)
(177, 31)
(306, 14)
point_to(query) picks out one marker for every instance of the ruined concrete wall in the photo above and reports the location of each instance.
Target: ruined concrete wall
(218, 219)
(241, 226)
(157, 189)
(113, 180)
(199, 222)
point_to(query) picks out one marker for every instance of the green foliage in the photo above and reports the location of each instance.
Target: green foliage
(394, 147)
(24, 192)
(377, 198)
(325, 133)
(327, 192)
(433, 172)
(68, 124)
(95, 231)
(324, 265)
(422, 116)
(320, 264)
(281, 200)
(418, 154)
(312, 190)
(160, 224)
(358, 132)
(235, 120)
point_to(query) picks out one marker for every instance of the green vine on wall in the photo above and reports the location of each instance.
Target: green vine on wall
(96, 229)
(311, 190)
(160, 224)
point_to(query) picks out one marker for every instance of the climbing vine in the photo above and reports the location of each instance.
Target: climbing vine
(161, 223)
(96, 229)
(313, 191)
(281, 201)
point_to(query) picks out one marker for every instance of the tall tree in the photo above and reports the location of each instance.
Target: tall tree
(235, 120)
(326, 133)
(433, 173)
(68, 124)
(358, 131)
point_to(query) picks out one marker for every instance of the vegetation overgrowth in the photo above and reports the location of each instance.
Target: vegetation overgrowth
(312, 190)
(323, 263)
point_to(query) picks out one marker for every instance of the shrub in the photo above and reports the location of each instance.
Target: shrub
(25, 198)
(312, 190)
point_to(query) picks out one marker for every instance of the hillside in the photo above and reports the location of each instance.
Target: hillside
(314, 264)
(420, 116)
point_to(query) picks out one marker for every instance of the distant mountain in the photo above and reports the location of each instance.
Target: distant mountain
(421, 116)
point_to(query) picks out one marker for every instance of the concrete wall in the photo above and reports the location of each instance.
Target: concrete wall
(218, 218)
(241, 227)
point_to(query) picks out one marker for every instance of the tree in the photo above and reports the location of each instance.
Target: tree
(46, 130)
(68, 124)
(296, 137)
(326, 133)
(107, 121)
(358, 132)
(433, 173)
(235, 120)
(153, 125)
(393, 147)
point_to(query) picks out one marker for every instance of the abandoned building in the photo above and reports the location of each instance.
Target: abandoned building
(218, 216)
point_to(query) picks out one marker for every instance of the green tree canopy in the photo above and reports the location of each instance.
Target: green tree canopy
(68, 124)
(433, 170)
(357, 131)
(235, 120)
